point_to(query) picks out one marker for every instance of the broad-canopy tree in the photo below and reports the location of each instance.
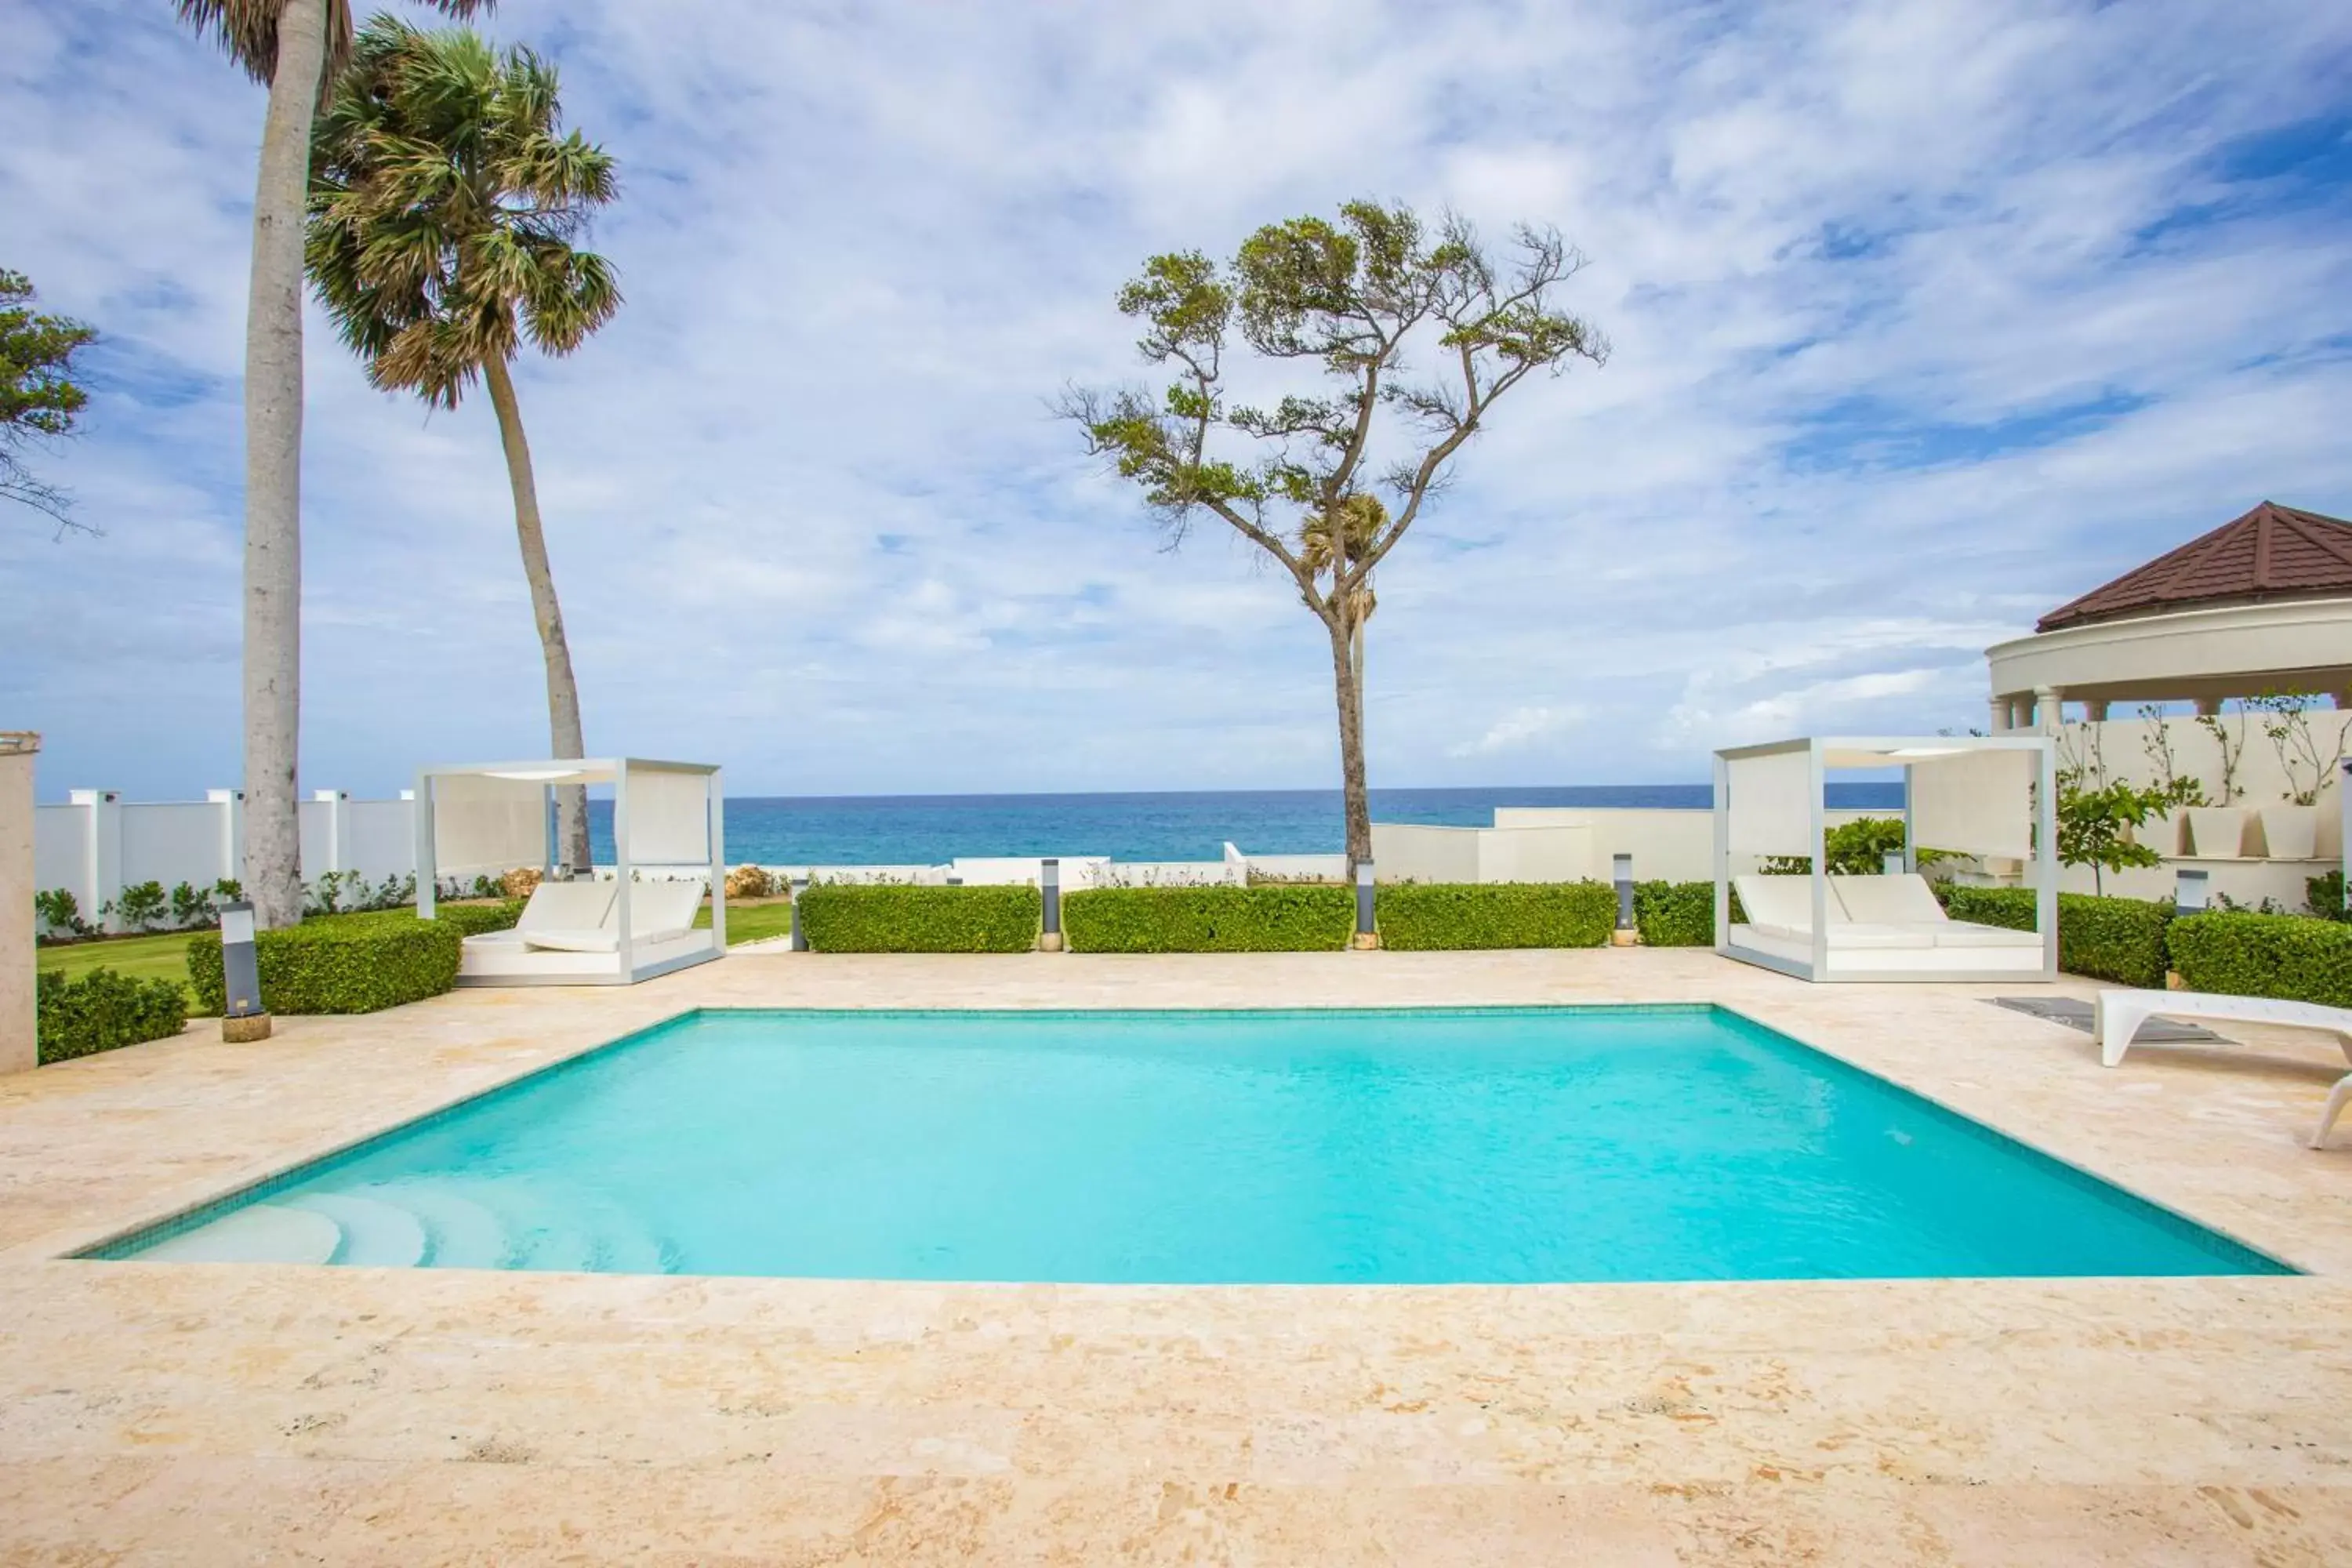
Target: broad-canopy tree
(40, 398)
(1304, 478)
(445, 199)
(296, 49)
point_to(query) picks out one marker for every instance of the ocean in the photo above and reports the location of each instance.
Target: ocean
(932, 829)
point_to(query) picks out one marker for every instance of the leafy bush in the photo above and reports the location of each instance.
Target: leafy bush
(142, 905)
(519, 883)
(839, 918)
(1857, 848)
(338, 963)
(2290, 956)
(1675, 914)
(2122, 940)
(1273, 919)
(348, 892)
(2325, 897)
(473, 919)
(1434, 917)
(191, 905)
(60, 911)
(103, 1011)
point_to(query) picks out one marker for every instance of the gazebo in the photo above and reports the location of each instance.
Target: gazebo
(615, 928)
(2262, 604)
(1973, 794)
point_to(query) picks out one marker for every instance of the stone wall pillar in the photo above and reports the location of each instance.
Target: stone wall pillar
(19, 1048)
(102, 866)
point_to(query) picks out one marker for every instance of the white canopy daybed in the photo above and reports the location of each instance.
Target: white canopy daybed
(616, 927)
(1982, 795)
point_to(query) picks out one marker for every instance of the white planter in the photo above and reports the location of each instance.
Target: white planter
(2291, 832)
(2161, 832)
(2218, 830)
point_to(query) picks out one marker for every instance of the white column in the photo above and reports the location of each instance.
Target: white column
(102, 868)
(338, 828)
(2000, 715)
(2049, 709)
(716, 795)
(19, 1024)
(230, 803)
(428, 872)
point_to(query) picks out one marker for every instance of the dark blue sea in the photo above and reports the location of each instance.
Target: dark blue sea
(930, 829)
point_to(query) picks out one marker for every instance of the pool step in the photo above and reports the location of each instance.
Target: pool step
(376, 1234)
(262, 1233)
(459, 1232)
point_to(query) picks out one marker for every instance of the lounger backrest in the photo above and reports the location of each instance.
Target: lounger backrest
(567, 905)
(655, 908)
(1783, 901)
(1902, 899)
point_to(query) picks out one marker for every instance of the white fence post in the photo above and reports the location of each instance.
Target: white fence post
(231, 802)
(102, 865)
(338, 828)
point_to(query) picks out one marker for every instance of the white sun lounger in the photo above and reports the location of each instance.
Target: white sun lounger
(657, 911)
(2120, 1013)
(556, 910)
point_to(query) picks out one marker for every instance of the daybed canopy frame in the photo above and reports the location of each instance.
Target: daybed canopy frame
(1951, 792)
(484, 819)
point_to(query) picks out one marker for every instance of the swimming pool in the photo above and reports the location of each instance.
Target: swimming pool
(1502, 1145)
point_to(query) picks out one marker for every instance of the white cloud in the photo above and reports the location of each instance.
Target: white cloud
(1927, 317)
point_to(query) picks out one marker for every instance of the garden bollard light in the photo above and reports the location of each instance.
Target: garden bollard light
(799, 941)
(1621, 872)
(1367, 932)
(1049, 883)
(243, 1018)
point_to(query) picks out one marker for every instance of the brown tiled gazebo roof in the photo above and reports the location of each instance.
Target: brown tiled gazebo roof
(2273, 552)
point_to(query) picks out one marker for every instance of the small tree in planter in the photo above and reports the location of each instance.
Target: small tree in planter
(2307, 761)
(2093, 825)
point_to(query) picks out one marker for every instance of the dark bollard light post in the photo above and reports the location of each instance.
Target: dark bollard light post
(1049, 883)
(243, 1018)
(1368, 935)
(1628, 932)
(798, 938)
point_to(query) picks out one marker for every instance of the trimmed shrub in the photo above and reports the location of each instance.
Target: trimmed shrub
(103, 1011)
(339, 963)
(838, 918)
(2325, 894)
(2290, 956)
(474, 918)
(2122, 940)
(749, 882)
(1437, 917)
(1675, 914)
(1275, 918)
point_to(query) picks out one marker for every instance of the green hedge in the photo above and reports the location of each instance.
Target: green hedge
(475, 919)
(1416, 917)
(837, 918)
(103, 1011)
(339, 963)
(2122, 940)
(1674, 914)
(2291, 956)
(1277, 919)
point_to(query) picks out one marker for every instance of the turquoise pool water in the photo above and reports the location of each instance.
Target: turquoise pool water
(1423, 1146)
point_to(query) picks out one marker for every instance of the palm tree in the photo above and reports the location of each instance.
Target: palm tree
(1328, 542)
(443, 202)
(295, 48)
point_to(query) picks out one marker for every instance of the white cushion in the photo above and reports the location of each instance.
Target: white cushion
(573, 941)
(566, 906)
(658, 910)
(1846, 935)
(1785, 902)
(1902, 899)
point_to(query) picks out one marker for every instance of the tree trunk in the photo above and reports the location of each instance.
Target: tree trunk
(562, 689)
(273, 472)
(1355, 801)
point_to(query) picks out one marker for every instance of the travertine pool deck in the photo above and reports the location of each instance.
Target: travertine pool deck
(193, 1413)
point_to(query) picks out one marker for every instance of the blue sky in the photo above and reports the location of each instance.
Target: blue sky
(1926, 317)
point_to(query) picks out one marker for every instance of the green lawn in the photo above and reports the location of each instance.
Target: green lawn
(752, 923)
(160, 957)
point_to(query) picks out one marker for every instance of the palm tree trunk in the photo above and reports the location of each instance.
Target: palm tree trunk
(273, 472)
(1355, 798)
(562, 689)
